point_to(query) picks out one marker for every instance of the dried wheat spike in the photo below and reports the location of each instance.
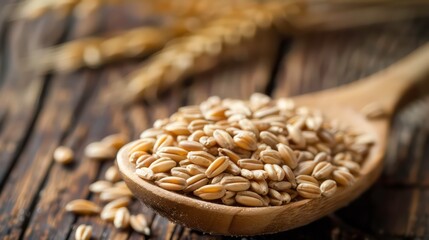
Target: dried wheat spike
(192, 53)
(95, 51)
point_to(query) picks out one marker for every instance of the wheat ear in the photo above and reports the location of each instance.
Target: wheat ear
(95, 51)
(190, 54)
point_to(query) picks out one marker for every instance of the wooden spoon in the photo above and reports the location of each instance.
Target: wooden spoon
(344, 103)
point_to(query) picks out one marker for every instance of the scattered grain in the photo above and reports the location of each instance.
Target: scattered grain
(99, 186)
(63, 155)
(112, 174)
(115, 141)
(83, 232)
(114, 193)
(100, 151)
(82, 206)
(122, 218)
(139, 224)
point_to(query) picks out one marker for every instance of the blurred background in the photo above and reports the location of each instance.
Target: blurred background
(74, 71)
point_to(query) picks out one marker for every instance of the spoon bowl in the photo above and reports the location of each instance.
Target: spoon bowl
(344, 104)
(234, 220)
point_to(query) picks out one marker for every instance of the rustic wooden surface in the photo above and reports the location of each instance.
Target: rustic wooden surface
(40, 112)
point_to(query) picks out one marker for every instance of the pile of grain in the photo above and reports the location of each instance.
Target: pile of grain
(252, 153)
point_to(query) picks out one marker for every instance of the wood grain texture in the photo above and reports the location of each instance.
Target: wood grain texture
(38, 113)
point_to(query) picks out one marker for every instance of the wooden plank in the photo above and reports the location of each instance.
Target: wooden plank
(72, 182)
(22, 97)
(21, 111)
(138, 117)
(6, 9)
(94, 116)
(407, 162)
(325, 60)
(25, 97)
(399, 201)
(317, 61)
(35, 162)
(22, 91)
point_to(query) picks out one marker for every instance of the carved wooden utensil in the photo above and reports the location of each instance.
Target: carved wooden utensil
(385, 88)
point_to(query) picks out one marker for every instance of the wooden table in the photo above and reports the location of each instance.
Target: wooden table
(40, 112)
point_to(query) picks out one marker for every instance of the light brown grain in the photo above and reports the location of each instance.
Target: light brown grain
(328, 187)
(114, 193)
(100, 151)
(224, 139)
(308, 190)
(122, 218)
(343, 177)
(63, 155)
(172, 183)
(250, 164)
(99, 186)
(115, 141)
(217, 167)
(322, 170)
(83, 232)
(235, 183)
(210, 192)
(112, 174)
(82, 206)
(274, 172)
(145, 173)
(139, 224)
(250, 199)
(163, 164)
(201, 158)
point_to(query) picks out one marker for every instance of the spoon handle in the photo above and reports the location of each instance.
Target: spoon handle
(387, 87)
